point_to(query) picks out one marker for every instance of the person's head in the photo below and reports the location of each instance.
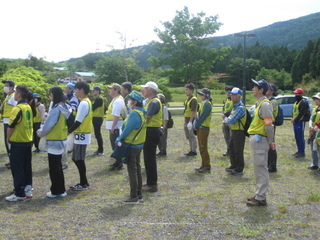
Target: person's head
(316, 99)
(81, 89)
(228, 89)
(236, 95)
(8, 86)
(96, 91)
(126, 88)
(36, 97)
(69, 88)
(272, 91)
(56, 95)
(205, 94)
(135, 99)
(21, 93)
(189, 88)
(298, 94)
(149, 90)
(115, 90)
(162, 98)
(260, 88)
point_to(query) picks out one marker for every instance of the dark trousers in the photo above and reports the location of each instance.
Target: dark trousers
(56, 174)
(36, 139)
(298, 128)
(236, 146)
(203, 134)
(5, 127)
(97, 123)
(134, 172)
(149, 154)
(113, 138)
(21, 168)
(163, 142)
(272, 156)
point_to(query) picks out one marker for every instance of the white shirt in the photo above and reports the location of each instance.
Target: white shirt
(117, 107)
(12, 102)
(82, 112)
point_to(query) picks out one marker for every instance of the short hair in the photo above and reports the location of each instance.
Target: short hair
(84, 86)
(127, 85)
(57, 95)
(23, 90)
(190, 86)
(228, 88)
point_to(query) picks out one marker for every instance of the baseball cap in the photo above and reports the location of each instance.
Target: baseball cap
(115, 86)
(236, 90)
(71, 86)
(317, 96)
(136, 96)
(36, 95)
(152, 85)
(299, 91)
(11, 83)
(273, 88)
(96, 88)
(205, 92)
(262, 84)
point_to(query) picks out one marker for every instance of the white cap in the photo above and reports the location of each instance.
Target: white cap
(152, 85)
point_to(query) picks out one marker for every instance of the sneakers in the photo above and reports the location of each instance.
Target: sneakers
(148, 188)
(50, 195)
(313, 167)
(197, 169)
(14, 198)
(131, 201)
(294, 154)
(140, 198)
(191, 154)
(28, 191)
(229, 169)
(236, 173)
(79, 187)
(300, 155)
(160, 154)
(256, 203)
(96, 153)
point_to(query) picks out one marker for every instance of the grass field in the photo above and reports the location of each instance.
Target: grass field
(187, 205)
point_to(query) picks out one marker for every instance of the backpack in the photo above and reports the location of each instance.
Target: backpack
(247, 123)
(278, 120)
(307, 116)
(170, 121)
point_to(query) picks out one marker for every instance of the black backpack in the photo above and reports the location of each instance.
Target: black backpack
(247, 123)
(306, 116)
(170, 121)
(278, 120)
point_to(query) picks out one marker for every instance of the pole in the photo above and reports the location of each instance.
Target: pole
(244, 70)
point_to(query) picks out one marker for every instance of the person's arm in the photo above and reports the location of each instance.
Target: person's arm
(53, 118)
(238, 113)
(266, 115)
(153, 109)
(118, 106)
(205, 113)
(193, 106)
(42, 113)
(97, 103)
(133, 123)
(303, 107)
(82, 112)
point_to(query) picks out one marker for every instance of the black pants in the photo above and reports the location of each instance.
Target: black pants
(113, 138)
(236, 146)
(21, 168)
(272, 156)
(149, 154)
(56, 174)
(97, 123)
(5, 127)
(36, 139)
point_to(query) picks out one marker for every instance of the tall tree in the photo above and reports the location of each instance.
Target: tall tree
(314, 64)
(183, 46)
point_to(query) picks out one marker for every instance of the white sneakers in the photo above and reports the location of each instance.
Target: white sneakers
(14, 198)
(50, 195)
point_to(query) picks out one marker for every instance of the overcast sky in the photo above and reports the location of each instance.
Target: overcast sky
(61, 29)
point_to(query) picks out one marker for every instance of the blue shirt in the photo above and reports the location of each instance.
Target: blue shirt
(238, 112)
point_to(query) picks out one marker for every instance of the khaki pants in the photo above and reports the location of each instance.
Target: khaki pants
(260, 163)
(191, 137)
(203, 146)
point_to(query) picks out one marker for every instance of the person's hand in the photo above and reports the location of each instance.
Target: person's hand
(111, 131)
(189, 126)
(292, 120)
(273, 146)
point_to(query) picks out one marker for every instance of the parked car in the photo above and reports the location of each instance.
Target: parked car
(286, 102)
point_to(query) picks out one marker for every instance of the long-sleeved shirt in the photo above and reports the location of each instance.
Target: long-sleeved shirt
(207, 108)
(266, 112)
(239, 112)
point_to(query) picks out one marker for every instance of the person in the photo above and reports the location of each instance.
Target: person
(272, 153)
(154, 122)
(55, 129)
(82, 133)
(165, 118)
(313, 129)
(98, 108)
(39, 119)
(226, 110)
(114, 118)
(73, 102)
(190, 111)
(300, 108)
(261, 139)
(202, 127)
(134, 133)
(20, 138)
(237, 119)
(6, 108)
(126, 88)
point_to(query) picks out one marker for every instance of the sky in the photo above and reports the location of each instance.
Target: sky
(57, 30)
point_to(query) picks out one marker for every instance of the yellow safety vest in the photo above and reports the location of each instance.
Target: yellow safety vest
(7, 108)
(241, 122)
(133, 137)
(23, 130)
(37, 117)
(257, 125)
(228, 105)
(315, 117)
(155, 120)
(109, 116)
(187, 108)
(59, 131)
(86, 125)
(295, 109)
(99, 112)
(207, 121)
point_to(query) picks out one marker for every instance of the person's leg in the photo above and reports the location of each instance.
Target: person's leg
(132, 172)
(56, 174)
(314, 151)
(203, 146)
(36, 139)
(78, 157)
(239, 138)
(5, 127)
(97, 123)
(227, 135)
(231, 151)
(28, 165)
(163, 142)
(17, 169)
(64, 158)
(299, 135)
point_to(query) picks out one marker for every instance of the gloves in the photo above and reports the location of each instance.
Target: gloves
(258, 137)
(189, 126)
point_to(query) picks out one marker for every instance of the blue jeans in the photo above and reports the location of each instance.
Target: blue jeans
(298, 128)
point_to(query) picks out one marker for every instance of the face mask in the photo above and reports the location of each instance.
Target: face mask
(129, 104)
(35, 100)
(6, 89)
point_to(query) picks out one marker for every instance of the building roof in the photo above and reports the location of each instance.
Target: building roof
(86, 74)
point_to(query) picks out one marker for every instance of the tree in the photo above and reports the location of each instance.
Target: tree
(281, 78)
(90, 60)
(314, 64)
(183, 46)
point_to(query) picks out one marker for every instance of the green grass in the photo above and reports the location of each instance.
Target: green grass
(187, 205)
